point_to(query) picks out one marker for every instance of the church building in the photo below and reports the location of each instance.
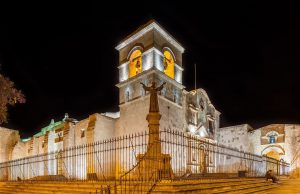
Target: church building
(151, 54)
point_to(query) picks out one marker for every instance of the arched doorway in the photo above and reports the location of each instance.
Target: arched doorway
(273, 151)
(273, 154)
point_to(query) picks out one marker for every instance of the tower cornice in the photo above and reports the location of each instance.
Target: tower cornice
(151, 25)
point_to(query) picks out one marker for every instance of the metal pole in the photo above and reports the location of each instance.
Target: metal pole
(195, 76)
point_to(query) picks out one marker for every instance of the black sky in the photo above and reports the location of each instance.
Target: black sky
(62, 56)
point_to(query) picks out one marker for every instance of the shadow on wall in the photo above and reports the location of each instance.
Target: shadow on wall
(11, 139)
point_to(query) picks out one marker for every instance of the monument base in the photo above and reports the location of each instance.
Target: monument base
(154, 167)
(92, 177)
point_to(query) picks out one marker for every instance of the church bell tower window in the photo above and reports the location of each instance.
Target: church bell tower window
(135, 63)
(168, 64)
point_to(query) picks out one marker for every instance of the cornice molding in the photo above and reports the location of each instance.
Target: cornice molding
(152, 26)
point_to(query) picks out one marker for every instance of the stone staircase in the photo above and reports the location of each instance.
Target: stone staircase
(216, 186)
(210, 176)
(47, 187)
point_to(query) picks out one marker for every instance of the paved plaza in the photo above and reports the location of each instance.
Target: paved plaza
(288, 186)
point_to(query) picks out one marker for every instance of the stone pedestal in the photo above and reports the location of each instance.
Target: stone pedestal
(154, 165)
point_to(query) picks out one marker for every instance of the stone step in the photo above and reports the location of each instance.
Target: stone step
(265, 190)
(210, 182)
(50, 192)
(183, 187)
(187, 186)
(230, 186)
(206, 185)
(239, 185)
(31, 191)
(44, 191)
(34, 188)
(213, 180)
(212, 175)
(215, 189)
(49, 183)
(55, 186)
(246, 189)
(47, 190)
(268, 191)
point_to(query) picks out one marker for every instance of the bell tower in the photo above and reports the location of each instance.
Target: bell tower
(149, 54)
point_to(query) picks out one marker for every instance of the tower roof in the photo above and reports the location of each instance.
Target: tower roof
(151, 25)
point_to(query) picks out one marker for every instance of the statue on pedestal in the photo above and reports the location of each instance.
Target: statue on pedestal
(153, 95)
(153, 163)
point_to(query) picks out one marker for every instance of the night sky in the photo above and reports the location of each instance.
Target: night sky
(62, 57)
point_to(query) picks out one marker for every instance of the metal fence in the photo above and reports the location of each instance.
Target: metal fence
(123, 160)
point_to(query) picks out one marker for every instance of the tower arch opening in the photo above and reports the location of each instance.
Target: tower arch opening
(169, 62)
(135, 62)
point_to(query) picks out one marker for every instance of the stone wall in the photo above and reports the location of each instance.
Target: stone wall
(8, 139)
(236, 137)
(254, 141)
(133, 116)
(292, 148)
(244, 138)
(37, 145)
(76, 132)
(104, 128)
(20, 150)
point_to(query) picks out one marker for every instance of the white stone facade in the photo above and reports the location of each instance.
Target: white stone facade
(280, 141)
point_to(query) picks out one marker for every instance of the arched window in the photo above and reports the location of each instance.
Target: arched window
(135, 63)
(127, 96)
(168, 64)
(174, 95)
(272, 137)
